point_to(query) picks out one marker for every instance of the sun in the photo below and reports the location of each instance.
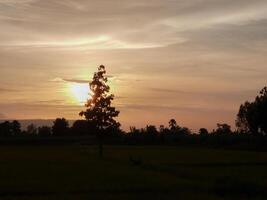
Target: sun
(80, 92)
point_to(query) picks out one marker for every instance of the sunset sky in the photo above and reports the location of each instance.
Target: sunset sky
(192, 60)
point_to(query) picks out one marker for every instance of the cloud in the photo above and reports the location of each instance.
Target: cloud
(49, 102)
(182, 108)
(235, 93)
(76, 81)
(15, 2)
(7, 90)
(37, 110)
(167, 90)
(68, 24)
(58, 79)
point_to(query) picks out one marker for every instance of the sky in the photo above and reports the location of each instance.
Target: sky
(192, 60)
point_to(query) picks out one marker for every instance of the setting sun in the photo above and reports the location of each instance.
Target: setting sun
(80, 92)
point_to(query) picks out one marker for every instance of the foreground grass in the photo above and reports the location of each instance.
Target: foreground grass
(76, 172)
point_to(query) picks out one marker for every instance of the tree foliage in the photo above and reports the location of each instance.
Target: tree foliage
(99, 110)
(173, 124)
(203, 131)
(223, 129)
(252, 116)
(44, 131)
(60, 127)
(31, 129)
(10, 128)
(81, 127)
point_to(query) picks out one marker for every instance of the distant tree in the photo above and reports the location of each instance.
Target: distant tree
(162, 129)
(135, 135)
(151, 130)
(15, 128)
(223, 129)
(203, 131)
(60, 127)
(81, 127)
(31, 129)
(176, 129)
(183, 130)
(172, 124)
(99, 110)
(5, 129)
(150, 133)
(10, 128)
(133, 130)
(44, 131)
(252, 116)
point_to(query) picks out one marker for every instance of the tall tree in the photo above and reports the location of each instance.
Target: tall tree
(252, 116)
(99, 110)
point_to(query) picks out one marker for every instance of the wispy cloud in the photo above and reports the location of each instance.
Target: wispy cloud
(76, 80)
(7, 90)
(70, 80)
(47, 24)
(58, 79)
(185, 108)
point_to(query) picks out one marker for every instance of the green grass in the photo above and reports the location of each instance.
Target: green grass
(76, 172)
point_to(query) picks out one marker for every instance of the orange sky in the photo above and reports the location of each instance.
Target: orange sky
(193, 60)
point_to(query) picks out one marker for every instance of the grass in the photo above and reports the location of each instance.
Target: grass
(76, 172)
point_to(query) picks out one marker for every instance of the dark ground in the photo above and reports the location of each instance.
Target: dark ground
(76, 172)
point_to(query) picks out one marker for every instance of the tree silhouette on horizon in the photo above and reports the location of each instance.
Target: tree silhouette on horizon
(252, 116)
(60, 127)
(99, 110)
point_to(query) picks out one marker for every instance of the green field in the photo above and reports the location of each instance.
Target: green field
(76, 172)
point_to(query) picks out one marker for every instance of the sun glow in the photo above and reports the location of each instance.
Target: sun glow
(80, 92)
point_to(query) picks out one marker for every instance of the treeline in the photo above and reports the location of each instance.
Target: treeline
(222, 136)
(60, 128)
(173, 134)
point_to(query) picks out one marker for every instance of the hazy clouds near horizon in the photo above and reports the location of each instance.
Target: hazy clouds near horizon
(193, 60)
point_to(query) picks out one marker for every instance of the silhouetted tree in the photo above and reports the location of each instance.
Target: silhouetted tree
(44, 131)
(172, 124)
(203, 131)
(15, 128)
(5, 129)
(10, 128)
(99, 110)
(176, 129)
(31, 129)
(252, 116)
(134, 131)
(161, 129)
(183, 131)
(81, 127)
(223, 129)
(151, 130)
(60, 127)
